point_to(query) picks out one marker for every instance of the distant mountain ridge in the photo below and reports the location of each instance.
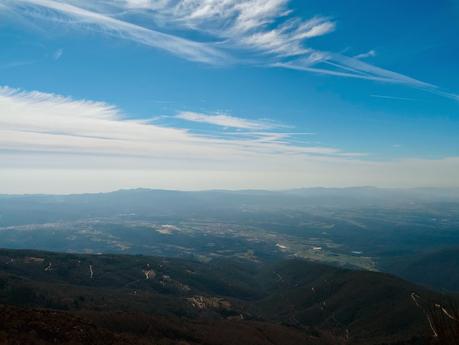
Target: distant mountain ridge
(46, 208)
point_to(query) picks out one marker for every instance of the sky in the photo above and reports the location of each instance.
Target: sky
(227, 94)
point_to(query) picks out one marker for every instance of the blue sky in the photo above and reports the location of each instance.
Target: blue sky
(222, 91)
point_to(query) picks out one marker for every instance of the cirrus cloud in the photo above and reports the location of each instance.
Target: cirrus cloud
(264, 33)
(52, 143)
(36, 121)
(224, 120)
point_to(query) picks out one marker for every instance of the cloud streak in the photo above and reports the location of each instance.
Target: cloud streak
(394, 97)
(225, 121)
(333, 64)
(370, 53)
(35, 121)
(51, 143)
(57, 54)
(254, 32)
(78, 16)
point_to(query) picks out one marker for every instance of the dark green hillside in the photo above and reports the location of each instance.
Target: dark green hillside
(370, 305)
(438, 269)
(311, 298)
(19, 326)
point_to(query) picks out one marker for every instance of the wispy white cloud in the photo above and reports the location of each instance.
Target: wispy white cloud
(142, 4)
(224, 120)
(57, 54)
(394, 97)
(328, 63)
(258, 32)
(34, 121)
(370, 53)
(287, 39)
(266, 26)
(365, 69)
(51, 143)
(81, 17)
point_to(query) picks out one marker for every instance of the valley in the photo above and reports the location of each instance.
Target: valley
(357, 228)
